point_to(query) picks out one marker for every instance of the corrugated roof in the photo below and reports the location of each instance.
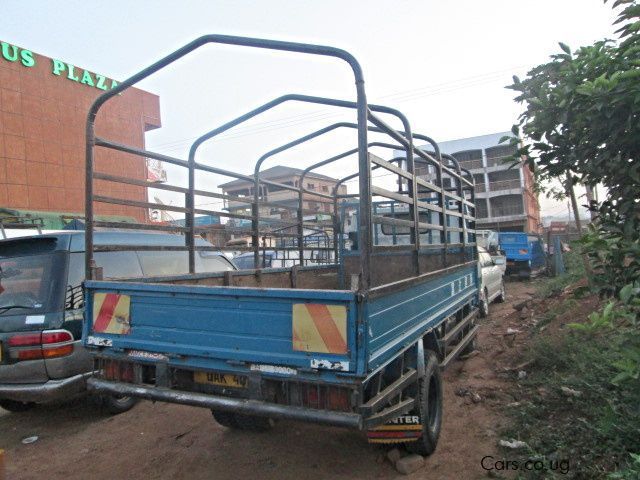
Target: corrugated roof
(277, 172)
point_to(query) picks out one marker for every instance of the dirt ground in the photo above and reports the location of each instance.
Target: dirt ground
(162, 441)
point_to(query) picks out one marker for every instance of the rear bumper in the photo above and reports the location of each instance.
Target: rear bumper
(45, 392)
(237, 405)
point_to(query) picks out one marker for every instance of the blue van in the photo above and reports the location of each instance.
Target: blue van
(524, 252)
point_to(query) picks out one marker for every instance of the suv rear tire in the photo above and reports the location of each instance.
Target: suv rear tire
(116, 405)
(502, 296)
(15, 406)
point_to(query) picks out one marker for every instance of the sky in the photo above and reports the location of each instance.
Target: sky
(443, 64)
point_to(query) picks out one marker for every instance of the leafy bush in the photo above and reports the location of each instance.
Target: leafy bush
(596, 430)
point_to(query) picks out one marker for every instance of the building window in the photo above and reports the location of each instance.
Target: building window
(311, 186)
(325, 188)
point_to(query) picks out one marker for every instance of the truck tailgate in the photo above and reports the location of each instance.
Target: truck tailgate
(192, 324)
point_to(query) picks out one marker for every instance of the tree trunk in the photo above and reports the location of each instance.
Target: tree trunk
(591, 200)
(576, 214)
(574, 202)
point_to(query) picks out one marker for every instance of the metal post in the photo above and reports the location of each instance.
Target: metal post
(300, 221)
(189, 223)
(364, 168)
(88, 196)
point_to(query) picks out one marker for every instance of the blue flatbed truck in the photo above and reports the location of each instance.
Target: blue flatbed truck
(357, 343)
(525, 253)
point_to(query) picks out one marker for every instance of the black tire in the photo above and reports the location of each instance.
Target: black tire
(116, 405)
(253, 423)
(243, 422)
(430, 400)
(15, 406)
(225, 419)
(484, 303)
(502, 296)
(525, 274)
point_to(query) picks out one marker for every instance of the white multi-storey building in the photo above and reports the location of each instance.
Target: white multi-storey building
(505, 196)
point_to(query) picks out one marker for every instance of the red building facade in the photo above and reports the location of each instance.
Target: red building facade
(43, 108)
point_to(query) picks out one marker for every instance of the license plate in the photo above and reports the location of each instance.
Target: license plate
(220, 379)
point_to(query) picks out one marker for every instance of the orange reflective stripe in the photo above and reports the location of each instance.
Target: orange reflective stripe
(111, 313)
(319, 328)
(105, 305)
(327, 328)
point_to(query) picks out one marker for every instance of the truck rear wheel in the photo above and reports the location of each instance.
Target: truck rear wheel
(430, 410)
(225, 419)
(242, 421)
(253, 422)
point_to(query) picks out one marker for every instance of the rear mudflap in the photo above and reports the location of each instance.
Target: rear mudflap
(402, 429)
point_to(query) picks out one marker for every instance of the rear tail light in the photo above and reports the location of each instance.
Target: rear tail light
(331, 398)
(61, 351)
(56, 336)
(47, 344)
(26, 340)
(523, 251)
(118, 371)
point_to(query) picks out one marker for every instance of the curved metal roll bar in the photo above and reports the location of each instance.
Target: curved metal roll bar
(363, 161)
(334, 194)
(366, 115)
(425, 158)
(361, 108)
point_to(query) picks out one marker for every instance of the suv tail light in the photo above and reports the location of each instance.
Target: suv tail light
(47, 344)
(523, 251)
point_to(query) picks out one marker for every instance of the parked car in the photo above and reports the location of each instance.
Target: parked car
(491, 280)
(488, 239)
(41, 307)
(267, 259)
(525, 253)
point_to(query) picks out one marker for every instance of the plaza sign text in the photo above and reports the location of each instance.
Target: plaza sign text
(11, 53)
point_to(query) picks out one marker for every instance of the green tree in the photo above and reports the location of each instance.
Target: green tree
(582, 123)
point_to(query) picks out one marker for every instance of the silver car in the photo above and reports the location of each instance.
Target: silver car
(491, 274)
(41, 307)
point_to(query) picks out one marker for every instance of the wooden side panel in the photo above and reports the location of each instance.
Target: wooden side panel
(316, 279)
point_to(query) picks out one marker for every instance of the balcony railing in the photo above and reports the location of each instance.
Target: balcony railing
(506, 211)
(499, 161)
(480, 187)
(471, 164)
(504, 185)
